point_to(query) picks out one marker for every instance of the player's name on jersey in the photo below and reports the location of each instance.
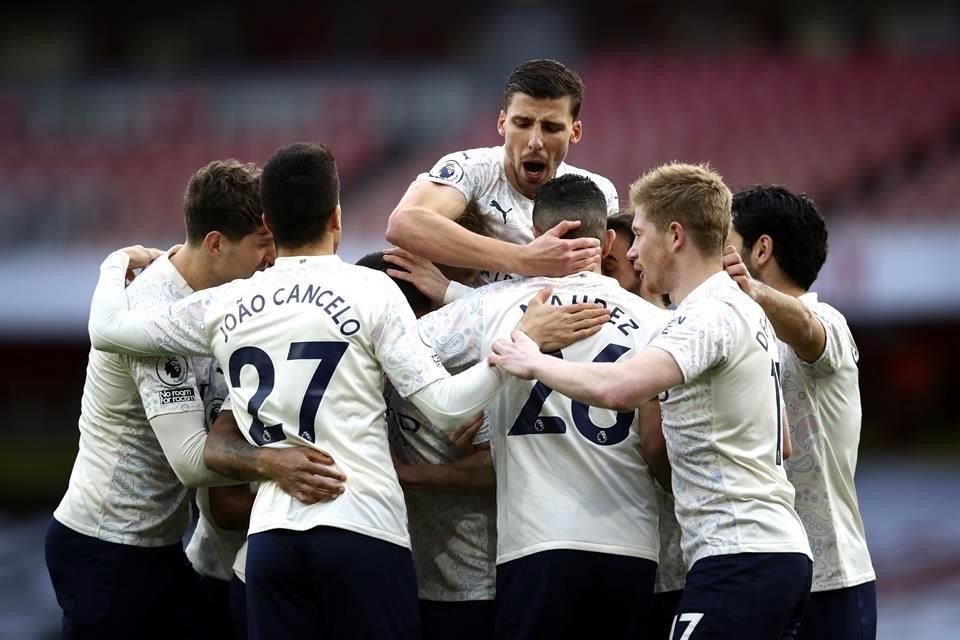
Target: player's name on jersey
(333, 305)
(618, 317)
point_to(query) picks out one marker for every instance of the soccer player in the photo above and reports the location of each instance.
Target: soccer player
(539, 121)
(715, 369)
(113, 546)
(305, 346)
(576, 510)
(671, 571)
(783, 243)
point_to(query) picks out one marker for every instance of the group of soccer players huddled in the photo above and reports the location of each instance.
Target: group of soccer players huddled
(535, 416)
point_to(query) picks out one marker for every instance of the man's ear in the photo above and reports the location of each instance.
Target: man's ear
(213, 243)
(607, 243)
(335, 223)
(761, 253)
(501, 120)
(576, 133)
(678, 235)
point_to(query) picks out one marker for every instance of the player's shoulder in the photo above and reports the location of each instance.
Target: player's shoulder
(159, 283)
(823, 310)
(464, 166)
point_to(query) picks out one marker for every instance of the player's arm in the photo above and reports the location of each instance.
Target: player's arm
(786, 443)
(653, 446)
(471, 474)
(307, 474)
(424, 223)
(623, 386)
(792, 321)
(115, 328)
(182, 438)
(230, 507)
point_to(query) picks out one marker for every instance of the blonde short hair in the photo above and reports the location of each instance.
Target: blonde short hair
(693, 195)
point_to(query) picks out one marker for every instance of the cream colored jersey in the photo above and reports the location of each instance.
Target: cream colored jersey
(823, 405)
(304, 346)
(479, 175)
(723, 427)
(122, 489)
(212, 550)
(569, 476)
(453, 537)
(671, 570)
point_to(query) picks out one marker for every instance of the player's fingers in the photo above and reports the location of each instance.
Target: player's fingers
(580, 244)
(399, 261)
(399, 274)
(588, 314)
(586, 332)
(587, 323)
(314, 483)
(324, 470)
(542, 296)
(563, 227)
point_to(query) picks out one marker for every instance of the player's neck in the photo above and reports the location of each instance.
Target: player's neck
(776, 280)
(323, 247)
(691, 273)
(193, 267)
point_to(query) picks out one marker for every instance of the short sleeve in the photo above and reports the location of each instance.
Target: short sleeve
(456, 331)
(610, 193)
(469, 172)
(699, 337)
(839, 346)
(406, 360)
(166, 384)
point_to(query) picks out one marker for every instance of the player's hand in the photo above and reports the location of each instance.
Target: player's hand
(140, 257)
(735, 267)
(552, 255)
(554, 327)
(516, 356)
(307, 474)
(463, 437)
(418, 271)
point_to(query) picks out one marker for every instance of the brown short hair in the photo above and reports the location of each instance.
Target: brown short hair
(545, 79)
(693, 195)
(223, 196)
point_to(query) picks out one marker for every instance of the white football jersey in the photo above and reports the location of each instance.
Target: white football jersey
(212, 550)
(304, 346)
(823, 406)
(722, 426)
(671, 570)
(453, 537)
(569, 476)
(122, 489)
(479, 175)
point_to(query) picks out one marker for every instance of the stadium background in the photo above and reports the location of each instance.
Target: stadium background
(104, 115)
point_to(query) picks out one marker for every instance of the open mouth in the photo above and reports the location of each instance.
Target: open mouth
(534, 171)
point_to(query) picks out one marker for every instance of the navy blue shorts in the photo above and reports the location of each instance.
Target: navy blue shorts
(841, 614)
(216, 607)
(464, 620)
(744, 596)
(331, 583)
(238, 608)
(573, 594)
(108, 590)
(662, 610)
